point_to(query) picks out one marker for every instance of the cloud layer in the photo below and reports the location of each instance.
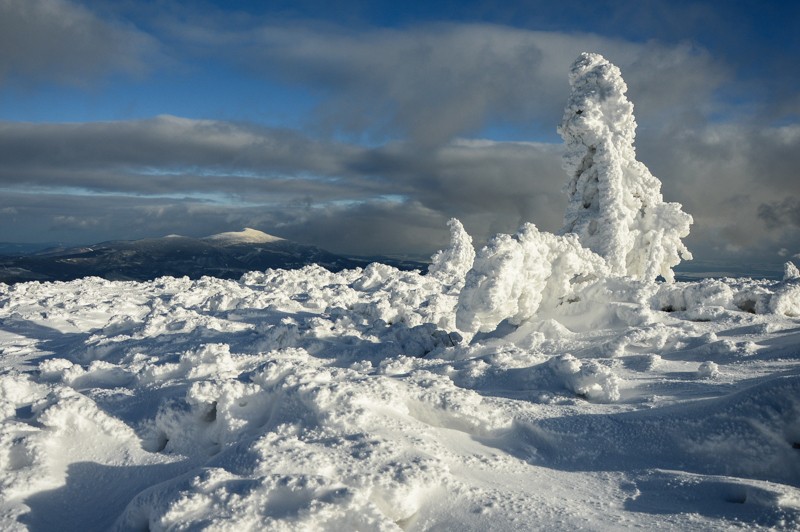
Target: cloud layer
(168, 175)
(57, 40)
(434, 82)
(234, 174)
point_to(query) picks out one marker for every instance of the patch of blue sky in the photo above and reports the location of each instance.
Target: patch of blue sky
(393, 198)
(354, 202)
(508, 132)
(51, 190)
(211, 171)
(167, 171)
(212, 92)
(206, 197)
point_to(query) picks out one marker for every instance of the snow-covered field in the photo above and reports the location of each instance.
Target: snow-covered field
(311, 400)
(546, 382)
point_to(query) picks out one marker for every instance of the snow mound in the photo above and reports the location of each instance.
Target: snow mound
(713, 296)
(219, 500)
(246, 236)
(615, 203)
(589, 380)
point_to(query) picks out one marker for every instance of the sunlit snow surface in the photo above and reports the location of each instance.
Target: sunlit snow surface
(311, 400)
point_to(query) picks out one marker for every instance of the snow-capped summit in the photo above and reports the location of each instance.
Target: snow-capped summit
(246, 236)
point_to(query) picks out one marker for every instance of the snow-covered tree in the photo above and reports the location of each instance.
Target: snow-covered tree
(615, 203)
(451, 265)
(790, 271)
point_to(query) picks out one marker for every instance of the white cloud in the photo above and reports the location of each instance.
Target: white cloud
(62, 41)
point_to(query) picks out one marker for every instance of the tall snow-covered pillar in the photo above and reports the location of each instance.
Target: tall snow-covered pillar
(615, 204)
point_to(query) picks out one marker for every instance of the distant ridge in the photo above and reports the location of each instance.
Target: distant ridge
(225, 255)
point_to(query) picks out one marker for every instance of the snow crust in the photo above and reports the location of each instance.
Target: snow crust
(546, 382)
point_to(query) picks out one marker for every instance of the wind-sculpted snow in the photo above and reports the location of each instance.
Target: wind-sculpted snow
(615, 203)
(312, 400)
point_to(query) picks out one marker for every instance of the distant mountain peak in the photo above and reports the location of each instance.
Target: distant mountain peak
(246, 236)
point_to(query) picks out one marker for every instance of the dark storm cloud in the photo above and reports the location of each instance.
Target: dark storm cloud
(507, 182)
(164, 154)
(400, 228)
(738, 181)
(433, 82)
(781, 214)
(215, 176)
(173, 155)
(62, 41)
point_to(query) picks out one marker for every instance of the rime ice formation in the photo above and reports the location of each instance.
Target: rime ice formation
(786, 300)
(513, 276)
(616, 222)
(451, 265)
(615, 203)
(790, 271)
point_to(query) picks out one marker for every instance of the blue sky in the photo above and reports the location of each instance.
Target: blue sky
(362, 127)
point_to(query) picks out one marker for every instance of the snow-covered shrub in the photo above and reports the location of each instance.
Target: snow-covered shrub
(615, 203)
(587, 379)
(786, 299)
(514, 275)
(708, 370)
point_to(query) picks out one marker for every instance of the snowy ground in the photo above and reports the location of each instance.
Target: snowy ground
(305, 399)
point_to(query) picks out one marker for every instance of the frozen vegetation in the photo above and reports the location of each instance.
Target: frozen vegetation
(546, 382)
(615, 204)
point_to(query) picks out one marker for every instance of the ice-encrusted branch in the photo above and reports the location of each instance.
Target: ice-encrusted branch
(615, 204)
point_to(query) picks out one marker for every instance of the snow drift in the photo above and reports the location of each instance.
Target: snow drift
(308, 399)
